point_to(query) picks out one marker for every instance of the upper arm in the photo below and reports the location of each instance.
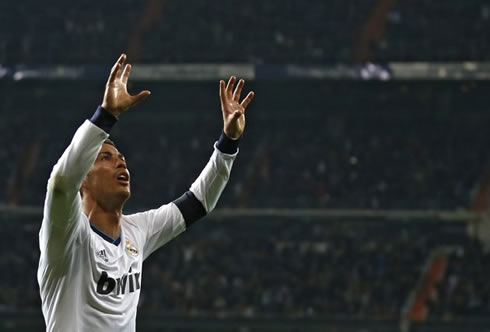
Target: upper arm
(61, 224)
(62, 207)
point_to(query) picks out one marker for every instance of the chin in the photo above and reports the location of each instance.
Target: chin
(124, 195)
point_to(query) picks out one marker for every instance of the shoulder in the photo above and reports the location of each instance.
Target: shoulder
(166, 210)
(133, 221)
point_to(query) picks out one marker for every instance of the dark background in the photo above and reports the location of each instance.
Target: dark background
(343, 143)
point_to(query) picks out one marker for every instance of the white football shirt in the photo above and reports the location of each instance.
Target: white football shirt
(86, 282)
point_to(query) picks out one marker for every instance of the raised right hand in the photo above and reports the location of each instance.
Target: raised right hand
(116, 97)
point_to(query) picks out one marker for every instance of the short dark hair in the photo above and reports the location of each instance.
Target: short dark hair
(109, 141)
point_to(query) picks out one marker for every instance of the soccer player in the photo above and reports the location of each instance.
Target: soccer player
(91, 253)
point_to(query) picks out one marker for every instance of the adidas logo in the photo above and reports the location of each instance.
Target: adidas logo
(102, 254)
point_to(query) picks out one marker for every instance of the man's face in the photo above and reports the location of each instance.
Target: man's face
(108, 179)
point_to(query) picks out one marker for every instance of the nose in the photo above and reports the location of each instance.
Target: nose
(121, 164)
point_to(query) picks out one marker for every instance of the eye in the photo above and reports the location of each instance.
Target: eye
(105, 157)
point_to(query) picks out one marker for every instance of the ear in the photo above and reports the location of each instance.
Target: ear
(83, 186)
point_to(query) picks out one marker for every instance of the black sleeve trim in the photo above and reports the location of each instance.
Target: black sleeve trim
(190, 207)
(103, 119)
(227, 145)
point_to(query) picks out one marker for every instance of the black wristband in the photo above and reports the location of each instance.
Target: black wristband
(103, 119)
(227, 145)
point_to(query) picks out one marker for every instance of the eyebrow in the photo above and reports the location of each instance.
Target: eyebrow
(106, 153)
(120, 155)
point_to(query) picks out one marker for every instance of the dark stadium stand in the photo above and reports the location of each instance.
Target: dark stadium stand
(303, 269)
(62, 32)
(436, 31)
(253, 268)
(252, 31)
(310, 143)
(391, 147)
(464, 292)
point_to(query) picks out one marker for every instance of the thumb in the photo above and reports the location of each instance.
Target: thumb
(140, 96)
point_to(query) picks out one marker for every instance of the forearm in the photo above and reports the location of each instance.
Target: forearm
(78, 158)
(210, 184)
(207, 188)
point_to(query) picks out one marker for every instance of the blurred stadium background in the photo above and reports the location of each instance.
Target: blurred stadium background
(359, 201)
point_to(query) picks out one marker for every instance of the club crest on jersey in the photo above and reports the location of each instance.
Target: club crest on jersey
(131, 248)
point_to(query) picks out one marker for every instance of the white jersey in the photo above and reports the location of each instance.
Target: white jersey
(86, 282)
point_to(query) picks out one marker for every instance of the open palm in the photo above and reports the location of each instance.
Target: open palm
(233, 110)
(116, 97)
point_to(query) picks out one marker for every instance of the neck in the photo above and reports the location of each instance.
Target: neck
(105, 220)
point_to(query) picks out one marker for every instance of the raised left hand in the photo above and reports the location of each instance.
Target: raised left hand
(233, 110)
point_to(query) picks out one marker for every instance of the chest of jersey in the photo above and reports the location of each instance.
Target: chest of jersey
(116, 270)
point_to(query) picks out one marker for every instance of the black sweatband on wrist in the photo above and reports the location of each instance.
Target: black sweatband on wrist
(190, 207)
(103, 119)
(227, 145)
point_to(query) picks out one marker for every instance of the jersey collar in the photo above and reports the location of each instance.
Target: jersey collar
(106, 237)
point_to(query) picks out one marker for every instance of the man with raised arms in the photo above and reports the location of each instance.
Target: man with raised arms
(91, 253)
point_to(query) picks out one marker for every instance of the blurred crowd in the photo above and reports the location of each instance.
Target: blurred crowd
(397, 145)
(436, 31)
(60, 32)
(393, 146)
(257, 267)
(265, 31)
(464, 291)
(308, 144)
(299, 267)
(291, 267)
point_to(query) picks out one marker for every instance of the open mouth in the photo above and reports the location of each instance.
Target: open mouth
(123, 178)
